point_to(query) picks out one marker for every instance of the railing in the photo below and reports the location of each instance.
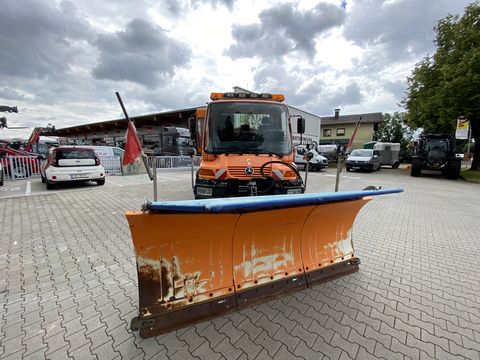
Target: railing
(174, 161)
(111, 164)
(20, 167)
(23, 167)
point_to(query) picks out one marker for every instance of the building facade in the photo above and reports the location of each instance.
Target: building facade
(338, 129)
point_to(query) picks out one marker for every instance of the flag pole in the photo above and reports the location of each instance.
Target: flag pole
(341, 158)
(142, 154)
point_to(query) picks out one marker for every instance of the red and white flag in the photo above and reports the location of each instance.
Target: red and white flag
(132, 158)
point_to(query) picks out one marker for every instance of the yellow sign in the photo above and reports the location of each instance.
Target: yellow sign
(463, 126)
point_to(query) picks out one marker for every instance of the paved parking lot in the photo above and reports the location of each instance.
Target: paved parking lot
(68, 279)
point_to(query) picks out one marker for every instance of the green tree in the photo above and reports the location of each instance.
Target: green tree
(446, 85)
(393, 129)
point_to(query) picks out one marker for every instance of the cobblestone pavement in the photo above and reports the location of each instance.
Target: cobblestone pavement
(68, 280)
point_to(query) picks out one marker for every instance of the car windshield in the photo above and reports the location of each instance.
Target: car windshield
(362, 153)
(247, 127)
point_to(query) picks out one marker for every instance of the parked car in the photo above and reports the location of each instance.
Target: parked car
(67, 164)
(317, 162)
(364, 159)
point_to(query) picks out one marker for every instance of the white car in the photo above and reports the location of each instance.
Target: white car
(67, 164)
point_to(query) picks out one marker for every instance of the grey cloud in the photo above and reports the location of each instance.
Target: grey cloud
(304, 88)
(142, 53)
(177, 8)
(398, 30)
(284, 29)
(40, 39)
(396, 88)
(348, 95)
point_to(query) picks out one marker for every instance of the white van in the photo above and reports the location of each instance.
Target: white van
(104, 150)
(317, 162)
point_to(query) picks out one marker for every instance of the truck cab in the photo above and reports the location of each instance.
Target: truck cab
(246, 147)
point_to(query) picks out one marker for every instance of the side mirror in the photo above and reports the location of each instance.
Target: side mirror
(192, 127)
(300, 125)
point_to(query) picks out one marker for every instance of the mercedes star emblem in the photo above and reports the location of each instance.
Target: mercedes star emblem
(249, 171)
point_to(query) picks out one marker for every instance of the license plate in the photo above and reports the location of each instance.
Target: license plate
(294, 191)
(79, 176)
(204, 191)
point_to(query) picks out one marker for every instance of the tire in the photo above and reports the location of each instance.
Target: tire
(416, 167)
(1, 180)
(348, 169)
(43, 179)
(453, 169)
(101, 182)
(379, 167)
(50, 186)
(396, 165)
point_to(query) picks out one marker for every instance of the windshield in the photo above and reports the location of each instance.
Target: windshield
(258, 128)
(362, 153)
(436, 144)
(183, 141)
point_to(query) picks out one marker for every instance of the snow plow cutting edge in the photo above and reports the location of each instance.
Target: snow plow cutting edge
(198, 259)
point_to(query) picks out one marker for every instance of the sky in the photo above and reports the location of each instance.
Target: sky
(62, 61)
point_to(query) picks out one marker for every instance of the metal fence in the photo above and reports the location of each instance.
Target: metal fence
(23, 167)
(111, 164)
(174, 161)
(20, 167)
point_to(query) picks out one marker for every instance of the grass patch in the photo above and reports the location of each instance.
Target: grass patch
(471, 176)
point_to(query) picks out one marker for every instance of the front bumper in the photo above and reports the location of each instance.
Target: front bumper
(206, 189)
(359, 166)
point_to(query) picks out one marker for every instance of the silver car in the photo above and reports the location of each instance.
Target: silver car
(364, 159)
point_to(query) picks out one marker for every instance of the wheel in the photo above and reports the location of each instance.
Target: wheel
(50, 186)
(347, 168)
(1, 180)
(379, 167)
(43, 179)
(396, 164)
(101, 182)
(453, 169)
(416, 167)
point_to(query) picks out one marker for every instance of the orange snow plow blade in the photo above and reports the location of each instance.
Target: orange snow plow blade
(198, 259)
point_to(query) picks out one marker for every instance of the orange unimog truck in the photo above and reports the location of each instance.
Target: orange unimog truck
(245, 140)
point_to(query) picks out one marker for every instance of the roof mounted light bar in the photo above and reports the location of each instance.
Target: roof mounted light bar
(233, 95)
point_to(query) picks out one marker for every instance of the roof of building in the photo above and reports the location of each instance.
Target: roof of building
(167, 118)
(372, 118)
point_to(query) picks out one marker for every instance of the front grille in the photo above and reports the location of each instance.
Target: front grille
(239, 171)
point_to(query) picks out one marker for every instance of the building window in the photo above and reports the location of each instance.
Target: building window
(341, 132)
(327, 132)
